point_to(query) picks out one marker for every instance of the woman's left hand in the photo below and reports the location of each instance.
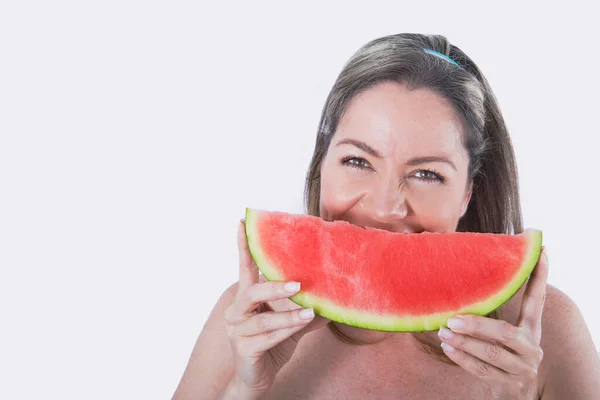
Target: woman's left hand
(504, 356)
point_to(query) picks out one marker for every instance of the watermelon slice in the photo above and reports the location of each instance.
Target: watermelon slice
(389, 281)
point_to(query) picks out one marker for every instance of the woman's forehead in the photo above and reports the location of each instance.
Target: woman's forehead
(393, 119)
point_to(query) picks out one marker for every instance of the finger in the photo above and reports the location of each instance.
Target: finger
(532, 304)
(270, 321)
(247, 300)
(253, 345)
(492, 329)
(490, 374)
(248, 269)
(486, 351)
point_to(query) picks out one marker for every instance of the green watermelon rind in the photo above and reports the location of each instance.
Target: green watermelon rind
(393, 323)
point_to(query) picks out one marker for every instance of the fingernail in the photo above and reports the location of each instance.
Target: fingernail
(447, 347)
(456, 323)
(445, 333)
(307, 313)
(545, 253)
(291, 287)
(242, 220)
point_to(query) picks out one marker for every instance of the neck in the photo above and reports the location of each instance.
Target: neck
(361, 336)
(350, 334)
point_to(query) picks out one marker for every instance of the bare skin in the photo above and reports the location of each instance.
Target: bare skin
(396, 162)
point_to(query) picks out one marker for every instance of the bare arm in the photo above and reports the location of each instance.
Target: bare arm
(572, 362)
(245, 340)
(211, 364)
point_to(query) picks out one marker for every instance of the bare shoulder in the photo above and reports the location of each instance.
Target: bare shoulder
(561, 318)
(571, 366)
(211, 364)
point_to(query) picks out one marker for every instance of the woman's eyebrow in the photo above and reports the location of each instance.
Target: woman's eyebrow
(413, 161)
(428, 159)
(361, 145)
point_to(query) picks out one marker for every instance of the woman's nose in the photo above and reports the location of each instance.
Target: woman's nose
(386, 203)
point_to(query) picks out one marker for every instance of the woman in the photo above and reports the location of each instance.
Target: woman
(411, 139)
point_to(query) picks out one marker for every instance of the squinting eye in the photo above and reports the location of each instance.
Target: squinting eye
(428, 176)
(356, 162)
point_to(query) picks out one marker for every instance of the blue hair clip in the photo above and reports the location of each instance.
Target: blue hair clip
(445, 57)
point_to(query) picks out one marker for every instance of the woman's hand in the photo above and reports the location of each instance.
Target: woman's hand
(262, 340)
(504, 356)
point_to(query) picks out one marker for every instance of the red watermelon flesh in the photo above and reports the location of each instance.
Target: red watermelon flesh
(390, 281)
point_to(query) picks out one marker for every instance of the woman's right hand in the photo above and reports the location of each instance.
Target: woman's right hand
(263, 340)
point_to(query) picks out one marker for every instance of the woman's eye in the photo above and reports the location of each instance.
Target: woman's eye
(429, 176)
(356, 162)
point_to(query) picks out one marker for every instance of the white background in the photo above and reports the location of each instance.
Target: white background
(134, 134)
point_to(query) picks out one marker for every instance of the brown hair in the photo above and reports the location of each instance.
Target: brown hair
(494, 206)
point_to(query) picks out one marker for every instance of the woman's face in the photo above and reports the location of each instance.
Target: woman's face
(396, 162)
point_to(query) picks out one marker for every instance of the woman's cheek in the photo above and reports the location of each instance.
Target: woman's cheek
(338, 196)
(435, 212)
